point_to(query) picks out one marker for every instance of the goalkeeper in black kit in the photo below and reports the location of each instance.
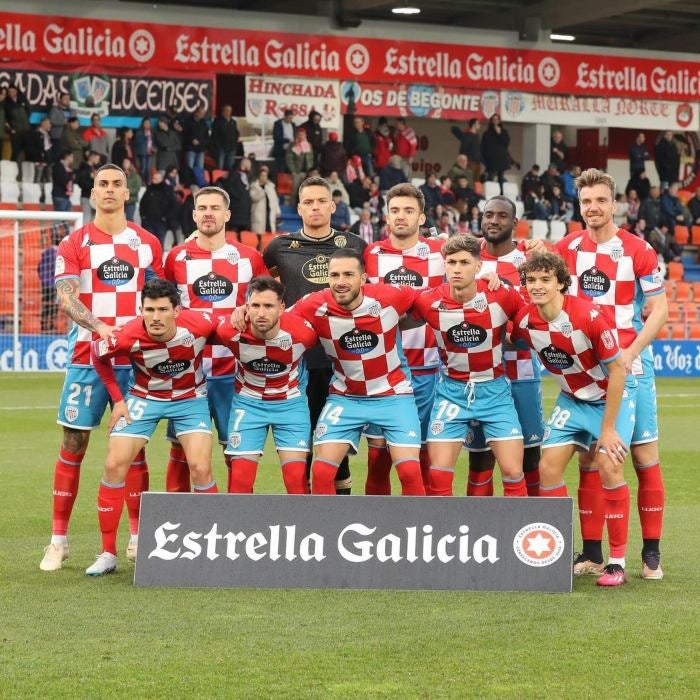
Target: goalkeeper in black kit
(300, 260)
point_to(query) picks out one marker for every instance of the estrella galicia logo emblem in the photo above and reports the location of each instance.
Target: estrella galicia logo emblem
(212, 287)
(265, 365)
(171, 368)
(538, 544)
(466, 335)
(555, 358)
(358, 342)
(115, 272)
(404, 275)
(594, 283)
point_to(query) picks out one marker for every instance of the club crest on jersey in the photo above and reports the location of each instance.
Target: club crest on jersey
(133, 242)
(234, 440)
(188, 340)
(171, 368)
(566, 329)
(60, 267)
(480, 302)
(436, 427)
(120, 425)
(212, 287)
(115, 272)
(422, 251)
(285, 342)
(340, 241)
(470, 437)
(71, 413)
(594, 283)
(608, 340)
(466, 335)
(518, 259)
(616, 254)
(358, 342)
(232, 256)
(374, 309)
(556, 358)
(403, 275)
(321, 430)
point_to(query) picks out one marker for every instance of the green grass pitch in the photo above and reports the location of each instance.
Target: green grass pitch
(65, 635)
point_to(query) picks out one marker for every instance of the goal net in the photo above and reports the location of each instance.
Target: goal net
(32, 328)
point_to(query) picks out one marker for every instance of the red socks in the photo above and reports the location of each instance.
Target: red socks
(410, 476)
(650, 500)
(177, 475)
(480, 483)
(617, 511)
(110, 502)
(136, 483)
(441, 479)
(378, 469)
(553, 491)
(591, 508)
(515, 488)
(424, 458)
(294, 476)
(228, 460)
(323, 473)
(532, 483)
(66, 479)
(242, 475)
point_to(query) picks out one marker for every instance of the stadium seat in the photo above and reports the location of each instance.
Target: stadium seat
(539, 229)
(28, 171)
(572, 226)
(8, 171)
(684, 196)
(48, 193)
(491, 189)
(479, 188)
(522, 230)
(681, 234)
(9, 191)
(75, 196)
(695, 235)
(683, 291)
(511, 190)
(675, 270)
(689, 311)
(284, 183)
(678, 331)
(218, 175)
(694, 331)
(31, 192)
(266, 238)
(670, 286)
(664, 332)
(557, 230)
(250, 238)
(519, 209)
(674, 311)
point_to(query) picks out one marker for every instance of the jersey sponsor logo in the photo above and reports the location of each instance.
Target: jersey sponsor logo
(212, 287)
(71, 413)
(60, 267)
(316, 270)
(594, 283)
(265, 365)
(358, 342)
(340, 241)
(171, 368)
(608, 340)
(538, 544)
(115, 272)
(466, 335)
(404, 275)
(556, 358)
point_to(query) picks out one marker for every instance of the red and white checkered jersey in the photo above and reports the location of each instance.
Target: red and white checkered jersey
(214, 281)
(268, 369)
(573, 347)
(111, 271)
(470, 336)
(164, 371)
(616, 276)
(519, 364)
(361, 343)
(423, 267)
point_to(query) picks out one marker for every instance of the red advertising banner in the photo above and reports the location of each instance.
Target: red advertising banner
(114, 44)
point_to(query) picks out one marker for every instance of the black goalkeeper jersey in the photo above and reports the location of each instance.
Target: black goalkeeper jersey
(301, 263)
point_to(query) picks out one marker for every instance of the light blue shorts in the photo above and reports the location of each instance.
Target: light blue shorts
(527, 398)
(646, 425)
(460, 407)
(84, 398)
(187, 416)
(345, 418)
(575, 422)
(251, 419)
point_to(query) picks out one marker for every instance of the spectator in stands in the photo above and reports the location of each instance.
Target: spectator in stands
(558, 151)
(299, 160)
(337, 184)
(186, 223)
(694, 207)
(168, 141)
(359, 141)
(354, 170)
(340, 218)
(464, 193)
(196, 140)
(46, 270)
(282, 139)
(84, 177)
(668, 160)
(460, 168)
(462, 227)
(633, 204)
(531, 181)
(383, 144)
(640, 183)
(333, 157)
(134, 183)
(59, 114)
(224, 138)
(470, 146)
(359, 192)
(405, 146)
(157, 207)
(551, 179)
(144, 147)
(237, 185)
(494, 150)
(375, 201)
(474, 221)
(621, 209)
(17, 119)
(365, 228)
(638, 155)
(393, 174)
(265, 205)
(661, 239)
(672, 210)
(314, 134)
(72, 141)
(175, 121)
(560, 209)
(123, 146)
(62, 177)
(447, 196)
(444, 224)
(172, 179)
(431, 191)
(39, 150)
(639, 229)
(650, 208)
(537, 206)
(96, 137)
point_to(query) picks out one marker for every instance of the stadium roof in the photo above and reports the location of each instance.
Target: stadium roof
(658, 25)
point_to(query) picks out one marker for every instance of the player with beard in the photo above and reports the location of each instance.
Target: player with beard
(300, 260)
(211, 275)
(504, 256)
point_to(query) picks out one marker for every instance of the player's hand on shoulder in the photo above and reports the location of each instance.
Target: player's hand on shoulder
(106, 332)
(534, 246)
(119, 410)
(493, 281)
(239, 318)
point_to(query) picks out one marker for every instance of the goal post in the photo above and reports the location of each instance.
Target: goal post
(32, 329)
